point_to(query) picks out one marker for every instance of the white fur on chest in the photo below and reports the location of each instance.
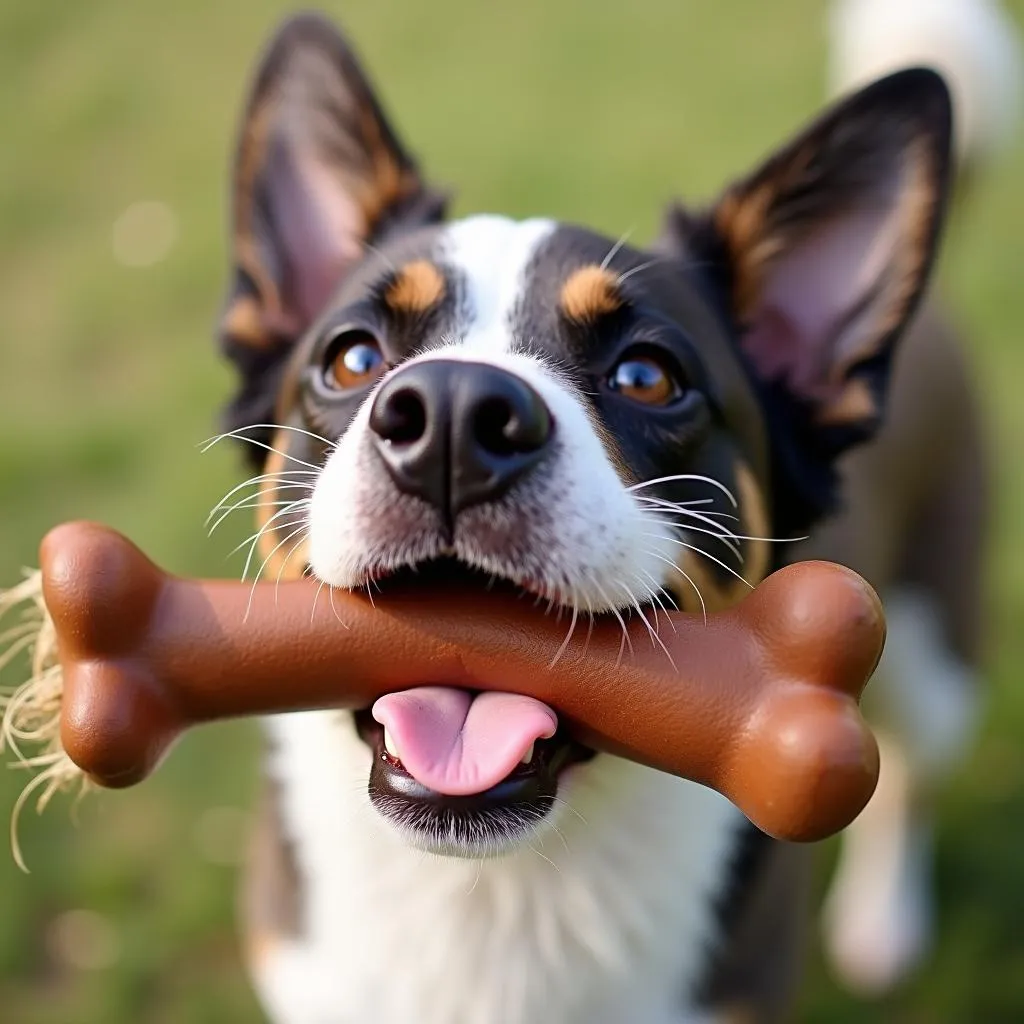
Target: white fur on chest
(608, 918)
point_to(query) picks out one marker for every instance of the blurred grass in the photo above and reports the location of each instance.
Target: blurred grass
(587, 111)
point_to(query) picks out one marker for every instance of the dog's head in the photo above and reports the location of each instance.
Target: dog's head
(612, 430)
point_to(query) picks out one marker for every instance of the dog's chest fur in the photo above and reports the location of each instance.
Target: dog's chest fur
(608, 919)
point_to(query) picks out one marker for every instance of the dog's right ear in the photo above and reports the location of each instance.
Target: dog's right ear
(318, 174)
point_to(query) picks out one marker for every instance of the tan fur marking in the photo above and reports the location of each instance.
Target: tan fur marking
(388, 184)
(379, 183)
(289, 561)
(271, 888)
(721, 590)
(755, 523)
(742, 221)
(589, 293)
(417, 289)
(247, 169)
(243, 322)
(854, 405)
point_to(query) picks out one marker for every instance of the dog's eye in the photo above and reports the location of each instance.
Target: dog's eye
(645, 378)
(354, 360)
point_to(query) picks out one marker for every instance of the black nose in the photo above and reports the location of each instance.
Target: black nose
(457, 434)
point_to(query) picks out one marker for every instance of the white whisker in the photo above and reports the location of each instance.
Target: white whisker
(688, 578)
(615, 249)
(702, 517)
(259, 444)
(656, 591)
(283, 477)
(253, 541)
(626, 275)
(280, 572)
(298, 504)
(590, 626)
(717, 561)
(675, 504)
(246, 503)
(266, 561)
(734, 549)
(476, 878)
(568, 638)
(655, 638)
(542, 857)
(558, 832)
(687, 476)
(238, 434)
(330, 596)
(569, 806)
(316, 597)
(725, 531)
(743, 536)
(626, 642)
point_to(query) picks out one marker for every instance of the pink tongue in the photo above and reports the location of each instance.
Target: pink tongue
(457, 744)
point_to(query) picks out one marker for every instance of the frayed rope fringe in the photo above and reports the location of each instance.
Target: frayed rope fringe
(30, 711)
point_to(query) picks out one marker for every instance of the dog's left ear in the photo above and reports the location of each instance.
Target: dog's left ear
(825, 250)
(318, 174)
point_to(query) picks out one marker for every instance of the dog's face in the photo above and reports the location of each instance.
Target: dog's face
(608, 430)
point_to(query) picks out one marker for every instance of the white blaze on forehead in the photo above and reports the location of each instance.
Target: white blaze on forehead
(490, 255)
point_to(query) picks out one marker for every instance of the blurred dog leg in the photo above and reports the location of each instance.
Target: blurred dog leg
(879, 913)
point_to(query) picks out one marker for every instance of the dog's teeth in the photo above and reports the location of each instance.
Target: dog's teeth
(528, 756)
(390, 746)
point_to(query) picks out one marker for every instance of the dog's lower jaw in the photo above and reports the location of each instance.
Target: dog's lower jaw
(609, 918)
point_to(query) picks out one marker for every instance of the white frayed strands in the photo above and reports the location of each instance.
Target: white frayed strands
(30, 711)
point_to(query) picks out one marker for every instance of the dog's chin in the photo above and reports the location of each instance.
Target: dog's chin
(489, 824)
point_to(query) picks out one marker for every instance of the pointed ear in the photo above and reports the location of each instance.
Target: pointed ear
(318, 173)
(827, 248)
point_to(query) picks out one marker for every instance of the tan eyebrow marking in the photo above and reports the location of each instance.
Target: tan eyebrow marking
(243, 322)
(854, 403)
(417, 288)
(589, 293)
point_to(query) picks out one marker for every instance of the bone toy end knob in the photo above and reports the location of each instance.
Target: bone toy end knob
(807, 764)
(117, 720)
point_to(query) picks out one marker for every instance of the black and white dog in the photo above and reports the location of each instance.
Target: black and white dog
(610, 429)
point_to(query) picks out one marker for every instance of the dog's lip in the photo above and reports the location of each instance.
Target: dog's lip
(449, 570)
(551, 757)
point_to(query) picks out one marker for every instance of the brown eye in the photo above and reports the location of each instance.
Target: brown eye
(354, 360)
(644, 378)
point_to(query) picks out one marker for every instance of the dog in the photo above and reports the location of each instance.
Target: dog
(608, 430)
(914, 524)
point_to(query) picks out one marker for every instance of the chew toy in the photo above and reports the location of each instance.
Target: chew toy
(759, 702)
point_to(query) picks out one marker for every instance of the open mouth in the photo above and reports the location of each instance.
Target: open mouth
(462, 772)
(470, 824)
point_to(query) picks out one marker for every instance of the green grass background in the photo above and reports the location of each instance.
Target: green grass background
(588, 111)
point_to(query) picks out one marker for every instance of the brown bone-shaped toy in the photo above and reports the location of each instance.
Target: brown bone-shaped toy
(761, 704)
